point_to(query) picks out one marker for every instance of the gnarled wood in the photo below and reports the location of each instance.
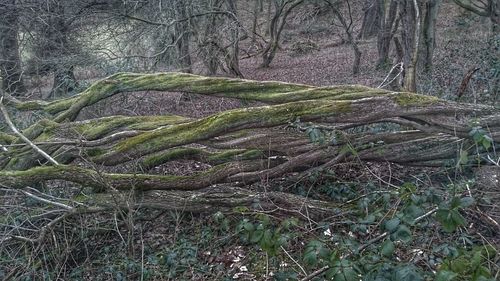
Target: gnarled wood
(246, 145)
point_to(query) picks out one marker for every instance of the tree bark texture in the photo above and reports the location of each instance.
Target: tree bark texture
(489, 8)
(372, 19)
(431, 10)
(409, 12)
(182, 35)
(387, 30)
(282, 9)
(242, 146)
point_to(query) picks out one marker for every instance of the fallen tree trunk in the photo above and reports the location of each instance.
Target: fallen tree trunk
(302, 128)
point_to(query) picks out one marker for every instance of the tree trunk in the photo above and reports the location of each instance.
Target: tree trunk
(431, 9)
(268, 15)
(55, 50)
(387, 31)
(271, 47)
(372, 19)
(64, 81)
(410, 35)
(232, 57)
(488, 8)
(255, 20)
(238, 145)
(276, 25)
(495, 17)
(10, 62)
(350, 38)
(210, 48)
(182, 34)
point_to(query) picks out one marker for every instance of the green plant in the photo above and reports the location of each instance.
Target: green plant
(449, 213)
(263, 233)
(468, 265)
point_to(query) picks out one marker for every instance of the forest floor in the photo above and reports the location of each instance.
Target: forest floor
(160, 245)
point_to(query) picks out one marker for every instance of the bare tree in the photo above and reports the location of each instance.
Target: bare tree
(430, 16)
(410, 33)
(210, 40)
(487, 8)
(373, 16)
(54, 46)
(255, 21)
(232, 56)
(348, 25)
(387, 31)
(282, 9)
(10, 62)
(182, 34)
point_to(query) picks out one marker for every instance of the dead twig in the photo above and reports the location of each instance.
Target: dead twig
(21, 136)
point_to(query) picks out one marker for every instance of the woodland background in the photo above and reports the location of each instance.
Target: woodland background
(424, 210)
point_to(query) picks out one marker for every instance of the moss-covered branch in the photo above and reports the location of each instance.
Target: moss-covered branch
(245, 145)
(359, 112)
(266, 91)
(104, 181)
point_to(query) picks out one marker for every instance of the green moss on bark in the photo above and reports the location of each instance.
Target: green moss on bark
(227, 121)
(6, 138)
(263, 91)
(411, 99)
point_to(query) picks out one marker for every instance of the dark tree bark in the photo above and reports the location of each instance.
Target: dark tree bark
(488, 8)
(54, 49)
(255, 21)
(182, 34)
(219, 43)
(410, 35)
(232, 57)
(431, 10)
(372, 19)
(10, 62)
(282, 9)
(211, 43)
(387, 31)
(348, 30)
(495, 17)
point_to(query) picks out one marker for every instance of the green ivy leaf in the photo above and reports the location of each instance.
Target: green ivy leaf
(464, 157)
(346, 274)
(481, 273)
(411, 213)
(444, 217)
(445, 275)
(266, 242)
(486, 141)
(290, 222)
(330, 273)
(403, 234)
(310, 258)
(466, 202)
(477, 259)
(455, 203)
(388, 248)
(457, 217)
(256, 236)
(248, 226)
(314, 251)
(407, 273)
(368, 219)
(392, 224)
